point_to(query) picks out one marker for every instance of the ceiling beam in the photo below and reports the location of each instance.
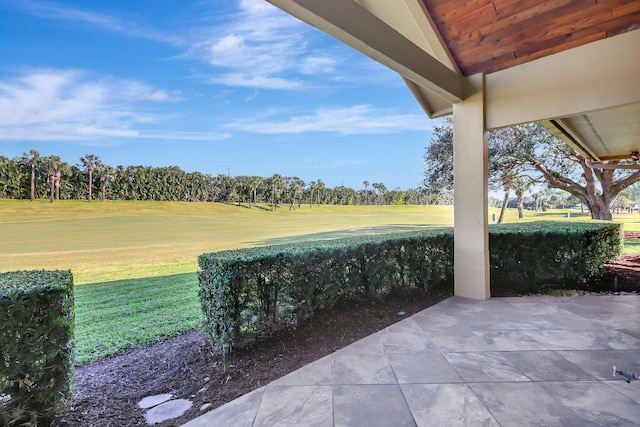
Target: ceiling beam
(354, 25)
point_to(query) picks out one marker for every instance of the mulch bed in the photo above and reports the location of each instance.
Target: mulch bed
(107, 392)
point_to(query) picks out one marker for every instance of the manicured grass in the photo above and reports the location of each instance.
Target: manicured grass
(110, 241)
(134, 263)
(115, 316)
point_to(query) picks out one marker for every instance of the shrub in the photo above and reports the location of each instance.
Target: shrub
(533, 257)
(248, 292)
(36, 353)
(244, 293)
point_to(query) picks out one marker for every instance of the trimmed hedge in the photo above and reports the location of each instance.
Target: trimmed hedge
(36, 352)
(532, 257)
(248, 292)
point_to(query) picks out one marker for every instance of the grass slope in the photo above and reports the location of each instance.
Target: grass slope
(134, 263)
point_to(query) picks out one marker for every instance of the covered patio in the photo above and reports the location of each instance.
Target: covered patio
(472, 360)
(572, 65)
(530, 361)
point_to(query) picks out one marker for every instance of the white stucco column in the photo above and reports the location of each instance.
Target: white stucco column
(470, 164)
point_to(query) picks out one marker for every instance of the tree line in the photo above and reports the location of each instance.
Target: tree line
(33, 176)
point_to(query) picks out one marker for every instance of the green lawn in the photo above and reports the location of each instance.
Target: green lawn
(134, 263)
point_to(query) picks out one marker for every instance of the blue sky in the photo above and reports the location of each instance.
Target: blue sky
(219, 86)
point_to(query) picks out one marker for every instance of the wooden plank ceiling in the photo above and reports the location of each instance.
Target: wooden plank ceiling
(491, 35)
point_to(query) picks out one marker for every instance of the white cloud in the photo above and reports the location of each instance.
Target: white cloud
(357, 119)
(69, 105)
(263, 47)
(64, 12)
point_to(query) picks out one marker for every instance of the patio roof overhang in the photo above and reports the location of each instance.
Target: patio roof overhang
(574, 66)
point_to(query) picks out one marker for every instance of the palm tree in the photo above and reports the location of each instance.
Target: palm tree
(312, 187)
(90, 161)
(319, 186)
(381, 190)
(254, 182)
(32, 157)
(106, 176)
(296, 186)
(54, 182)
(521, 185)
(277, 182)
(366, 191)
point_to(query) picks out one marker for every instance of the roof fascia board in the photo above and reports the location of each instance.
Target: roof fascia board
(594, 76)
(354, 25)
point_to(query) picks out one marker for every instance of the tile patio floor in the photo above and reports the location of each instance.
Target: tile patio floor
(529, 361)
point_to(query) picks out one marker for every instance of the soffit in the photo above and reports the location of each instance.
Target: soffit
(608, 134)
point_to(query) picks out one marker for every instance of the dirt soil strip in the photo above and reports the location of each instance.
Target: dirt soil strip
(107, 392)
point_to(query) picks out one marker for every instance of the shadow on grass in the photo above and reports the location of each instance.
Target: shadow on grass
(332, 235)
(113, 317)
(245, 205)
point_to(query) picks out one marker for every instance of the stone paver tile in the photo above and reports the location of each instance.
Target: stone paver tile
(315, 373)
(584, 339)
(594, 403)
(560, 321)
(436, 322)
(612, 321)
(362, 369)
(423, 368)
(371, 406)
(368, 345)
(509, 340)
(634, 332)
(446, 405)
(600, 363)
(295, 406)
(627, 304)
(460, 339)
(484, 367)
(522, 404)
(546, 366)
(631, 390)
(238, 413)
(407, 341)
(407, 324)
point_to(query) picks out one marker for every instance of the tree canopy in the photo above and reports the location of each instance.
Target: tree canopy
(522, 155)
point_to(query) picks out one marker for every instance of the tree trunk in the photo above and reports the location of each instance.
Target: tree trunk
(505, 202)
(90, 182)
(599, 209)
(33, 182)
(598, 204)
(520, 204)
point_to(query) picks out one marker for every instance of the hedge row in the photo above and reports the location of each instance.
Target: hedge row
(533, 257)
(36, 352)
(252, 291)
(244, 293)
